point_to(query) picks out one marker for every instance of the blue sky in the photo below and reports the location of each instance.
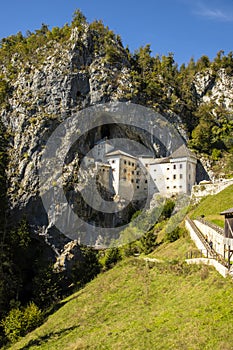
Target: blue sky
(188, 28)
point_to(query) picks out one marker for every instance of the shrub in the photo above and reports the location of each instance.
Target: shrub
(167, 209)
(172, 236)
(12, 324)
(148, 241)
(20, 321)
(113, 255)
(32, 317)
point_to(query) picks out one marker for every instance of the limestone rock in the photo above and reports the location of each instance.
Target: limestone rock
(70, 255)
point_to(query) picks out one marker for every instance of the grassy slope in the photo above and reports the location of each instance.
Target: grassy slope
(212, 206)
(136, 306)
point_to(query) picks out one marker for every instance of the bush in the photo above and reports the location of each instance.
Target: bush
(167, 209)
(32, 317)
(113, 255)
(12, 324)
(21, 321)
(172, 236)
(148, 241)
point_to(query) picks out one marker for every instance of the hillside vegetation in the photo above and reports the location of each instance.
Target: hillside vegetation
(141, 306)
(164, 304)
(212, 206)
(47, 76)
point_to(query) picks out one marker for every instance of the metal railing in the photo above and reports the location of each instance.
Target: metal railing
(212, 225)
(210, 252)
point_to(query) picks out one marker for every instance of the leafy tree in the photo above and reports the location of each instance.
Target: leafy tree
(113, 255)
(79, 20)
(203, 63)
(148, 241)
(88, 268)
(172, 236)
(47, 287)
(20, 321)
(167, 209)
(3, 90)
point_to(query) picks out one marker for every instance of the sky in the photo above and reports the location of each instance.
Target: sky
(187, 28)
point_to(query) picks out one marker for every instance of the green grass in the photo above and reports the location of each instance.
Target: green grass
(147, 305)
(212, 206)
(136, 306)
(174, 250)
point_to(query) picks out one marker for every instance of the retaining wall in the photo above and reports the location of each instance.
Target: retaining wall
(212, 262)
(195, 238)
(219, 241)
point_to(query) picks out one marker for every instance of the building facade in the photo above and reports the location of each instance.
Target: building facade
(174, 174)
(139, 177)
(130, 180)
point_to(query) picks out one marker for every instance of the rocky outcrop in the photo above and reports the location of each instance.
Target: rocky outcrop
(69, 256)
(61, 79)
(214, 86)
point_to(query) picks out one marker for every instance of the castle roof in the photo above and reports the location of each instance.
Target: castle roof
(119, 153)
(161, 160)
(182, 152)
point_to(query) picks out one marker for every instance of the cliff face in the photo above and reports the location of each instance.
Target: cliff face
(218, 87)
(44, 94)
(62, 78)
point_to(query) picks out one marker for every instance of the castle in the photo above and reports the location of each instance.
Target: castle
(137, 177)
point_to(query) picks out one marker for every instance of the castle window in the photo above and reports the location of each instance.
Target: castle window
(137, 181)
(132, 180)
(145, 181)
(174, 166)
(167, 178)
(168, 168)
(133, 172)
(137, 186)
(138, 172)
(113, 161)
(103, 169)
(125, 170)
(180, 186)
(181, 166)
(129, 163)
(174, 186)
(174, 177)
(167, 187)
(181, 176)
(125, 162)
(132, 164)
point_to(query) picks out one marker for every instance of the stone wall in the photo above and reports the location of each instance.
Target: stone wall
(219, 241)
(212, 262)
(205, 189)
(195, 238)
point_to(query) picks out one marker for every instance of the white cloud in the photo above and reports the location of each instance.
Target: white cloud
(213, 13)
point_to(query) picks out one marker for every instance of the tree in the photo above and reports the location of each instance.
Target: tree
(113, 255)
(78, 20)
(20, 321)
(148, 241)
